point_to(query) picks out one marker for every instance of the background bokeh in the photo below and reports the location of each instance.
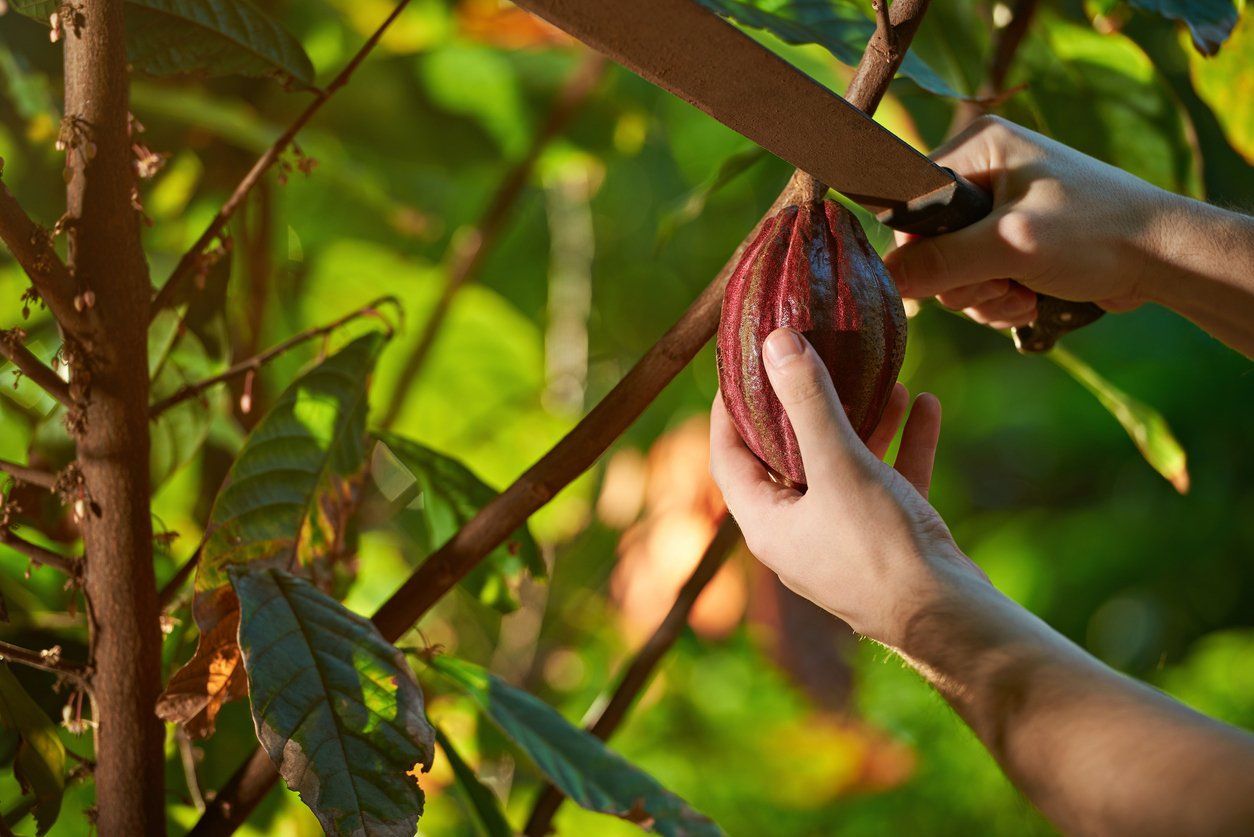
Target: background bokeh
(611, 238)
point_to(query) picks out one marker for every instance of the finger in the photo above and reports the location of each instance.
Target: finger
(884, 432)
(747, 487)
(1015, 307)
(970, 295)
(929, 265)
(803, 385)
(918, 443)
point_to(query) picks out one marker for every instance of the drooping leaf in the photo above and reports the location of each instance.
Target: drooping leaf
(574, 760)
(1210, 22)
(839, 27)
(335, 705)
(285, 503)
(1147, 427)
(214, 37)
(40, 763)
(488, 818)
(435, 495)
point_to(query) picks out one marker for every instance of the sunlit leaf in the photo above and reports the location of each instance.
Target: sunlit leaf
(574, 760)
(214, 37)
(285, 503)
(839, 27)
(1210, 22)
(435, 496)
(335, 705)
(1147, 427)
(488, 818)
(40, 764)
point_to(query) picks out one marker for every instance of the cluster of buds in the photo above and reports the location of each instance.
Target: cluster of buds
(304, 163)
(74, 139)
(71, 485)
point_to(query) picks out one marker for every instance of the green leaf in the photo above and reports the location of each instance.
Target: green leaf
(1146, 426)
(335, 705)
(40, 764)
(574, 760)
(839, 27)
(285, 503)
(439, 495)
(690, 207)
(215, 37)
(180, 432)
(1210, 22)
(488, 820)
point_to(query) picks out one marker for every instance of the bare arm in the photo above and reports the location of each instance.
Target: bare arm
(1071, 226)
(1097, 752)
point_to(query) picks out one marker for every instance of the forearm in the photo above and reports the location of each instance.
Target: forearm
(1200, 263)
(1096, 752)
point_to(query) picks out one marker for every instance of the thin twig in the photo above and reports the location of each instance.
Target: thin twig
(171, 588)
(47, 660)
(1005, 48)
(41, 556)
(32, 367)
(640, 671)
(31, 246)
(884, 27)
(884, 54)
(28, 475)
(190, 263)
(187, 756)
(254, 363)
(472, 248)
(573, 455)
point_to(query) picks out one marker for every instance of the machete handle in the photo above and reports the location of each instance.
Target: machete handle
(961, 204)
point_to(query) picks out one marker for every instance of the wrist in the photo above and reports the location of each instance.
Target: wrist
(1185, 250)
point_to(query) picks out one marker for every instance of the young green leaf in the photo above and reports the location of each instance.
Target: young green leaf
(574, 760)
(214, 37)
(285, 503)
(488, 819)
(40, 764)
(335, 705)
(839, 27)
(1146, 426)
(434, 496)
(1210, 22)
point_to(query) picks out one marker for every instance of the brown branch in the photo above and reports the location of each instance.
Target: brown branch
(28, 475)
(191, 261)
(640, 671)
(884, 53)
(47, 660)
(1005, 48)
(40, 555)
(472, 248)
(171, 588)
(32, 248)
(573, 455)
(884, 27)
(252, 364)
(32, 367)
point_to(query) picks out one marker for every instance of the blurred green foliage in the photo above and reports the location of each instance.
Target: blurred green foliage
(1040, 485)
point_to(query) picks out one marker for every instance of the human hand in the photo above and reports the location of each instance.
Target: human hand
(1062, 224)
(862, 541)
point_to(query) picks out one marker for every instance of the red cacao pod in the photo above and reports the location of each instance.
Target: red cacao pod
(810, 269)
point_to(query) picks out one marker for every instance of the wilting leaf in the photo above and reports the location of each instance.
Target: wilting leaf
(1146, 426)
(488, 820)
(1210, 22)
(839, 27)
(440, 494)
(335, 705)
(693, 204)
(285, 503)
(574, 760)
(216, 37)
(40, 764)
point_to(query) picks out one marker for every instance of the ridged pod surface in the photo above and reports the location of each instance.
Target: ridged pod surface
(810, 269)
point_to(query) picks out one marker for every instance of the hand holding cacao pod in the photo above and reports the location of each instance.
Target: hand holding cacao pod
(810, 269)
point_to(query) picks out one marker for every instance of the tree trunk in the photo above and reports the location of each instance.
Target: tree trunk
(108, 361)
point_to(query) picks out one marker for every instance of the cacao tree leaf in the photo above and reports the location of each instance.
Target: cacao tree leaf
(435, 496)
(286, 503)
(213, 37)
(40, 762)
(839, 27)
(488, 818)
(1147, 427)
(1210, 22)
(334, 704)
(690, 206)
(577, 762)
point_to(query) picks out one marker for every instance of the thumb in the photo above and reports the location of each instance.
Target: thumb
(925, 266)
(801, 382)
